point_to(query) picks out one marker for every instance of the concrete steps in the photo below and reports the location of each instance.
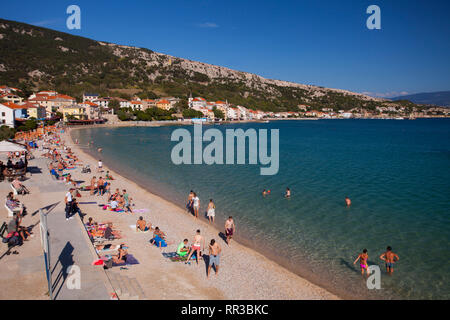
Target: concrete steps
(127, 288)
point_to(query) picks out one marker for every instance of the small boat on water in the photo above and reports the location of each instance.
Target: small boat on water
(399, 118)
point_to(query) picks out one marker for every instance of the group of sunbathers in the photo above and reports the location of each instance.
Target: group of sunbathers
(102, 230)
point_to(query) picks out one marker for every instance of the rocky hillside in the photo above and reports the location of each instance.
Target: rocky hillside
(38, 58)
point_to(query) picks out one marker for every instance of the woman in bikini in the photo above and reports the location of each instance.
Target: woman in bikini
(122, 256)
(197, 246)
(363, 257)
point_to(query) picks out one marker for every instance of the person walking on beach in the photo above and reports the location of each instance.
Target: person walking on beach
(100, 166)
(211, 213)
(389, 258)
(214, 257)
(230, 229)
(198, 245)
(196, 202)
(363, 263)
(348, 201)
(93, 185)
(68, 201)
(189, 205)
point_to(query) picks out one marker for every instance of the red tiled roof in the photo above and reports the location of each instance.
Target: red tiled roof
(13, 105)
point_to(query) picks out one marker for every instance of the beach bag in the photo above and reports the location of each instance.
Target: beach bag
(13, 241)
(108, 264)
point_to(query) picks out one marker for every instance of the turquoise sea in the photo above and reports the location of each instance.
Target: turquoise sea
(397, 174)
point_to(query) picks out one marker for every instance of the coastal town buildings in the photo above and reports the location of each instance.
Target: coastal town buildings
(73, 112)
(164, 104)
(90, 97)
(8, 113)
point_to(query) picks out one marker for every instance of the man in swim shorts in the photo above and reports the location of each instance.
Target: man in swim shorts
(230, 228)
(141, 225)
(363, 257)
(389, 258)
(214, 257)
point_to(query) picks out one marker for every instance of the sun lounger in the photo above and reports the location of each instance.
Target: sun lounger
(14, 190)
(10, 211)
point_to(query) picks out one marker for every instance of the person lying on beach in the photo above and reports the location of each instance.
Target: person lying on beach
(68, 180)
(389, 258)
(108, 176)
(214, 257)
(141, 225)
(96, 231)
(159, 238)
(21, 189)
(183, 248)
(121, 258)
(230, 229)
(198, 246)
(90, 222)
(14, 204)
(363, 263)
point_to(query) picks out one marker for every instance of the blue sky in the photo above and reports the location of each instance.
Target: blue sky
(322, 42)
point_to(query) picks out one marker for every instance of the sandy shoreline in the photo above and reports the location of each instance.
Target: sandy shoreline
(244, 273)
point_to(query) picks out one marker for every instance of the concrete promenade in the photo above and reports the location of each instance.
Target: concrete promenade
(24, 274)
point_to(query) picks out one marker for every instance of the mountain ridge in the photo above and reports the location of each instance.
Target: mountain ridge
(439, 98)
(37, 57)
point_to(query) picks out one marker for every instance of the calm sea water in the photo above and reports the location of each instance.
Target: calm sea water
(397, 174)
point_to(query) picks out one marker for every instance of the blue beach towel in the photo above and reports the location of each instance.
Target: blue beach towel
(157, 240)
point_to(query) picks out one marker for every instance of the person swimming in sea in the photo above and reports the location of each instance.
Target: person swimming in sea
(363, 257)
(264, 193)
(288, 193)
(348, 201)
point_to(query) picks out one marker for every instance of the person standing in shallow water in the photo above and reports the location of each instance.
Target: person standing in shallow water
(363, 263)
(389, 258)
(230, 229)
(211, 213)
(288, 193)
(196, 203)
(189, 205)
